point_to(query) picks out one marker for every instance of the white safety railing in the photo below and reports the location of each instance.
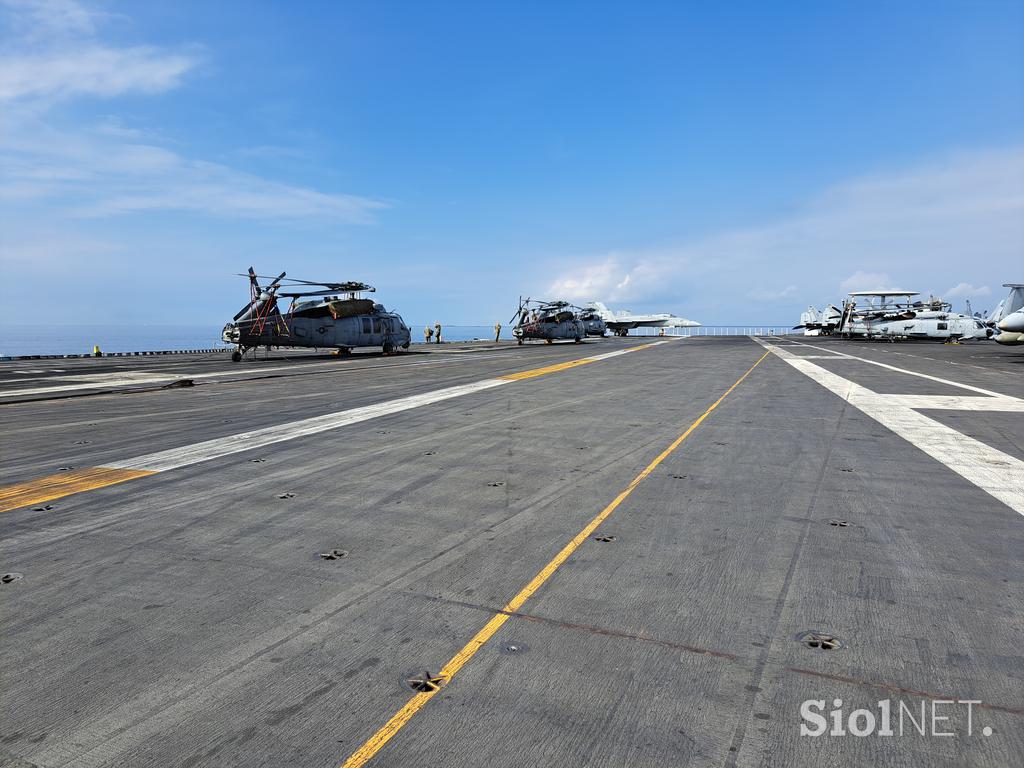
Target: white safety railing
(718, 330)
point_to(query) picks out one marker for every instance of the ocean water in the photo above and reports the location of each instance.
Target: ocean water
(79, 339)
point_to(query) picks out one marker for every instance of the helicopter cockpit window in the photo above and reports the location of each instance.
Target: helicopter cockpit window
(366, 325)
(943, 326)
(376, 325)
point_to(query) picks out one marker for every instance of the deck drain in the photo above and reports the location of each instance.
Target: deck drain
(7, 578)
(286, 496)
(64, 469)
(513, 647)
(82, 442)
(429, 453)
(838, 523)
(334, 554)
(846, 469)
(818, 640)
(257, 461)
(606, 539)
(44, 508)
(678, 477)
(179, 384)
(496, 485)
(425, 683)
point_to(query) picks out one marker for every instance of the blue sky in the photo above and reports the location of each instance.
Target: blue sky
(726, 162)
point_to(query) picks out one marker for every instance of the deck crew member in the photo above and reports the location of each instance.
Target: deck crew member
(428, 334)
(437, 332)
(497, 331)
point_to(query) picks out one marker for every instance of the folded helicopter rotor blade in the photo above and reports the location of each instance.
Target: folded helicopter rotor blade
(519, 312)
(321, 292)
(348, 287)
(243, 310)
(267, 292)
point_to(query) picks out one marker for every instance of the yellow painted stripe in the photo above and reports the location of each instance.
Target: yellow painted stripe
(563, 366)
(373, 745)
(52, 487)
(545, 370)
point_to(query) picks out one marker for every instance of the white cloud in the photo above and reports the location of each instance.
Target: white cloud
(56, 54)
(45, 20)
(93, 71)
(954, 217)
(95, 174)
(967, 291)
(592, 281)
(866, 281)
(112, 169)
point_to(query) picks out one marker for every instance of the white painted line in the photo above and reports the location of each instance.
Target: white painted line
(102, 381)
(245, 441)
(991, 470)
(223, 446)
(825, 357)
(912, 373)
(956, 402)
(106, 380)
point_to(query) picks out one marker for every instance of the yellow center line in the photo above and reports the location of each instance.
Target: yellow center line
(563, 366)
(64, 484)
(374, 744)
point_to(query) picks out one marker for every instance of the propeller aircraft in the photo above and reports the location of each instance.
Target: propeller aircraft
(1008, 317)
(883, 316)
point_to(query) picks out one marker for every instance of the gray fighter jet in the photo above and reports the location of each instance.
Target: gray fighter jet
(622, 322)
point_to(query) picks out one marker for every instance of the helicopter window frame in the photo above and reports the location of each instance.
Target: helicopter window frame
(367, 326)
(943, 326)
(376, 325)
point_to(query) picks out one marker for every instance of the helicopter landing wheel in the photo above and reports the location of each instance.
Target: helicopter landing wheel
(236, 356)
(549, 341)
(578, 339)
(388, 349)
(520, 342)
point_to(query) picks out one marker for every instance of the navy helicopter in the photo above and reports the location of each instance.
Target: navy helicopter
(547, 320)
(593, 323)
(322, 315)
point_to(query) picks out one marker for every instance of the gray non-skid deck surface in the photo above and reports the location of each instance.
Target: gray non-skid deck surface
(187, 619)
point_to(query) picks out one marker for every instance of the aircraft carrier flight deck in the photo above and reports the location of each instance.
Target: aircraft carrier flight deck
(640, 551)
